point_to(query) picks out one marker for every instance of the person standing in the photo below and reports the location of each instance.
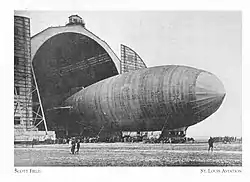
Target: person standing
(73, 146)
(33, 142)
(210, 144)
(78, 146)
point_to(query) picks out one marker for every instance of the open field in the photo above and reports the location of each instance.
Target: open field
(129, 154)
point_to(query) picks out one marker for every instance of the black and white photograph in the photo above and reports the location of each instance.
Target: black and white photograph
(127, 88)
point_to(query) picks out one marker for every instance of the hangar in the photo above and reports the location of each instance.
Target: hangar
(65, 59)
(60, 61)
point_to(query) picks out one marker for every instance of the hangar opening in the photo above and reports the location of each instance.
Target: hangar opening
(67, 62)
(69, 59)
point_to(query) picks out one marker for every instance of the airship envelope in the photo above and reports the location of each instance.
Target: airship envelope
(149, 99)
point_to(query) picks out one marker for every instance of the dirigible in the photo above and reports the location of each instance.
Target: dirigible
(149, 99)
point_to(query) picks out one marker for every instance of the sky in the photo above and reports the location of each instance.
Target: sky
(206, 40)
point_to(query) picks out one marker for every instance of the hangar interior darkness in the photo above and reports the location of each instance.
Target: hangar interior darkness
(65, 64)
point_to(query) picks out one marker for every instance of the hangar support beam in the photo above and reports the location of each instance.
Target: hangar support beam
(40, 102)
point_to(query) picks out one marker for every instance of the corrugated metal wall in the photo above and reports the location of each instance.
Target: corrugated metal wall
(22, 73)
(130, 60)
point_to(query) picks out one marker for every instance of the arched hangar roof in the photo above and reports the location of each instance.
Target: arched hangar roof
(67, 58)
(39, 39)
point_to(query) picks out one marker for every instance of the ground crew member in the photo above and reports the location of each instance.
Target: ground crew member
(73, 146)
(33, 142)
(210, 144)
(77, 146)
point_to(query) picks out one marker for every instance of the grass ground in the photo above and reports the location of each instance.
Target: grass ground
(129, 154)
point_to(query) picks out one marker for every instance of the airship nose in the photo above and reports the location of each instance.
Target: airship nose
(210, 93)
(209, 85)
